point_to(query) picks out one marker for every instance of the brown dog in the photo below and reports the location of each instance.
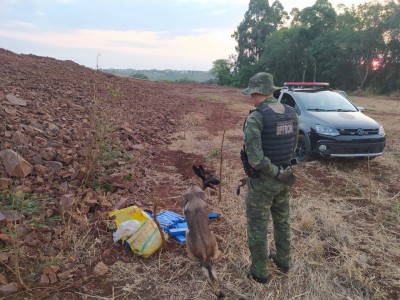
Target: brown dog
(200, 241)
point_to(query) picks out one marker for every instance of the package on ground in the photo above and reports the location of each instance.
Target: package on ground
(175, 224)
(125, 230)
(146, 238)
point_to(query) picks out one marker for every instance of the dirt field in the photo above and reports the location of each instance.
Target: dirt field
(345, 213)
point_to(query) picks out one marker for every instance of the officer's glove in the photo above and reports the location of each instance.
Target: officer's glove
(286, 176)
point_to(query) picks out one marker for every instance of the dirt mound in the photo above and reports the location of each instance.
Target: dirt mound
(48, 118)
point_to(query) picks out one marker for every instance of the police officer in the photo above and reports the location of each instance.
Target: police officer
(270, 138)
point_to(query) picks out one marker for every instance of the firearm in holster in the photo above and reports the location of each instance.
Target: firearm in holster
(249, 170)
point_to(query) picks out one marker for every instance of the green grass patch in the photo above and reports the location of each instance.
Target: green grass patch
(22, 202)
(213, 154)
(210, 97)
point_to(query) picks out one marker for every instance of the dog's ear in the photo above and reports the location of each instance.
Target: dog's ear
(202, 172)
(199, 171)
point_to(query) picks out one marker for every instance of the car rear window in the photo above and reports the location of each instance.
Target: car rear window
(324, 101)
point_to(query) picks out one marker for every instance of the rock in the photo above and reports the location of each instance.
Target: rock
(14, 100)
(54, 165)
(103, 201)
(108, 256)
(48, 153)
(2, 217)
(67, 274)
(66, 203)
(11, 216)
(44, 280)
(53, 128)
(51, 270)
(91, 198)
(15, 164)
(116, 178)
(4, 237)
(31, 239)
(101, 269)
(67, 159)
(3, 279)
(4, 257)
(121, 203)
(8, 289)
(80, 174)
(53, 278)
(138, 147)
(18, 138)
(4, 183)
(10, 110)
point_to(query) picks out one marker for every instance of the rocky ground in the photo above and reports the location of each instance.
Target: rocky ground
(76, 143)
(48, 114)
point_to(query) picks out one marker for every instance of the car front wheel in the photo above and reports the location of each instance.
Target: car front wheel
(303, 151)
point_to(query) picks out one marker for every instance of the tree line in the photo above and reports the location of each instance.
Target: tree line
(353, 48)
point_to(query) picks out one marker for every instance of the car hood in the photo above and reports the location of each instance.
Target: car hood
(343, 120)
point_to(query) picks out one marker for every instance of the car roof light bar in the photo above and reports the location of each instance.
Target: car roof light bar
(307, 84)
(316, 85)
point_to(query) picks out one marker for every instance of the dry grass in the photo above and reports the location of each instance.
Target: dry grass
(345, 233)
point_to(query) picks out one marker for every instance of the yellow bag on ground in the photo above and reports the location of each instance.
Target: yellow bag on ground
(129, 213)
(147, 239)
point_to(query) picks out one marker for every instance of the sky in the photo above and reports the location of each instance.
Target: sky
(129, 34)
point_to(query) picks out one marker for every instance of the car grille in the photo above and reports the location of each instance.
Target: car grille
(360, 131)
(354, 149)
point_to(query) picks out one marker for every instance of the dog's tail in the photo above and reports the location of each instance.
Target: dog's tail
(213, 279)
(242, 182)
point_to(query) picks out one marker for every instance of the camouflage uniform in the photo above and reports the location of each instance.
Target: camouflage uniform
(265, 194)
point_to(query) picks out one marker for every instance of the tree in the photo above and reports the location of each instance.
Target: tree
(260, 21)
(318, 18)
(371, 32)
(358, 48)
(139, 75)
(285, 53)
(223, 71)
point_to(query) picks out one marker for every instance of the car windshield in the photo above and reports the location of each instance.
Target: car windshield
(325, 101)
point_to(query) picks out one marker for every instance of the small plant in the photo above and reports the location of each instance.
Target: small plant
(107, 153)
(25, 203)
(100, 129)
(214, 153)
(50, 263)
(113, 91)
(107, 186)
(210, 97)
(56, 218)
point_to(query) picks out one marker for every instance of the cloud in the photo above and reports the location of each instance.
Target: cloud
(203, 45)
(18, 25)
(227, 2)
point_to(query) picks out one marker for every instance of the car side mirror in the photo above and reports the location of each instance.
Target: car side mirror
(360, 108)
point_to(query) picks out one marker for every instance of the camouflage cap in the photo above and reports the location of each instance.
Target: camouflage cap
(262, 83)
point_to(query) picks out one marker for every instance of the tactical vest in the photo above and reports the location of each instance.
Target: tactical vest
(277, 136)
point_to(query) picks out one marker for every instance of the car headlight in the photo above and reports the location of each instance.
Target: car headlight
(325, 130)
(381, 130)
